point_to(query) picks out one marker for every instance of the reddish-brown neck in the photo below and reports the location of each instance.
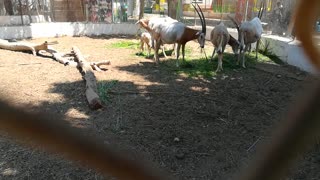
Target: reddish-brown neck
(232, 41)
(144, 23)
(188, 35)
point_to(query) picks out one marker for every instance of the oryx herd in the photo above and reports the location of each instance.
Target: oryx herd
(165, 30)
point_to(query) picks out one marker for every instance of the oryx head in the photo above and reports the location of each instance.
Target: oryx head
(201, 34)
(237, 46)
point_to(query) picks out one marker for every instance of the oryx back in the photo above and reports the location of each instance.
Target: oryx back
(171, 32)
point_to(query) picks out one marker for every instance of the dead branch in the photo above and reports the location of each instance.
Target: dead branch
(59, 57)
(91, 83)
(25, 46)
(96, 65)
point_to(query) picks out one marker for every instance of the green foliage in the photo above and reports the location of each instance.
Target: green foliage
(202, 67)
(103, 88)
(267, 52)
(228, 8)
(199, 66)
(125, 44)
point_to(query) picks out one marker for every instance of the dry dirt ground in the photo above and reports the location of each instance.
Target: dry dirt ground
(192, 127)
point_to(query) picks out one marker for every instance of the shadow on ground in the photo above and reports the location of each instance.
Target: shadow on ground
(192, 122)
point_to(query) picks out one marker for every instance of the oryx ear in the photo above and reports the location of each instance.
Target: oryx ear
(138, 22)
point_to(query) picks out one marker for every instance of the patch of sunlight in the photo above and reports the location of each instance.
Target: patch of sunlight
(148, 83)
(74, 113)
(199, 89)
(183, 75)
(9, 172)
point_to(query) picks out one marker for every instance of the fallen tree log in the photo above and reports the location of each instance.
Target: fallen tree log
(25, 46)
(63, 60)
(91, 83)
(67, 59)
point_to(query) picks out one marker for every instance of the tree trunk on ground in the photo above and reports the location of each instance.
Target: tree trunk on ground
(8, 6)
(25, 46)
(91, 82)
(141, 9)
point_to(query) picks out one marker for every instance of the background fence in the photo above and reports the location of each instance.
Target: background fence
(23, 12)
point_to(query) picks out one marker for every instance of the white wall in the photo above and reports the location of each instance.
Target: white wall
(289, 51)
(37, 30)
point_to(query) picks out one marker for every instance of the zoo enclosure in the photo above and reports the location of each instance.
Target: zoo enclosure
(23, 12)
(12, 119)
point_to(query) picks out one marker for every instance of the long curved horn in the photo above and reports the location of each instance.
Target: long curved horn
(204, 26)
(237, 25)
(261, 9)
(199, 16)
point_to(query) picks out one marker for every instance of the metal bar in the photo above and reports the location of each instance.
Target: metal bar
(299, 131)
(53, 134)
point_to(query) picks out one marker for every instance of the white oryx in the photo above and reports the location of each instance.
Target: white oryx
(249, 32)
(170, 32)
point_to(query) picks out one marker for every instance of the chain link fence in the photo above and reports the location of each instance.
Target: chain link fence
(276, 16)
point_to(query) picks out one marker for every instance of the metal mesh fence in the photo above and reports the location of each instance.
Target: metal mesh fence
(268, 166)
(276, 16)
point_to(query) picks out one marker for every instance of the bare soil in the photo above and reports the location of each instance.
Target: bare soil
(192, 127)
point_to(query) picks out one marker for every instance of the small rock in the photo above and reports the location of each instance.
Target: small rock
(180, 155)
(278, 76)
(176, 139)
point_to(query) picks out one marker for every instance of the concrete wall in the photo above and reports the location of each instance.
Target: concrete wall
(37, 30)
(288, 51)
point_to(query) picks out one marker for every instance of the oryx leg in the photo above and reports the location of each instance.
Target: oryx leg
(214, 51)
(178, 54)
(257, 48)
(149, 51)
(164, 51)
(219, 68)
(141, 46)
(156, 51)
(241, 52)
(174, 49)
(183, 51)
(243, 57)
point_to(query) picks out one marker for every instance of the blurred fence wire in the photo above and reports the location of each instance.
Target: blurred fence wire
(23, 12)
(297, 132)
